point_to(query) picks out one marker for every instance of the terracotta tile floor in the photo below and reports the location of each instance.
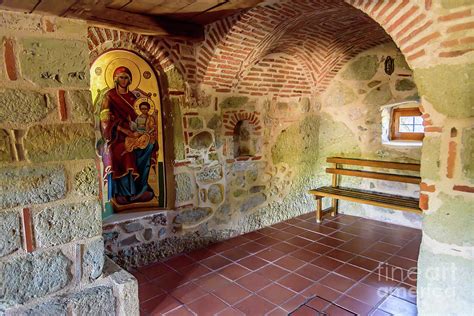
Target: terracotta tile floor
(345, 266)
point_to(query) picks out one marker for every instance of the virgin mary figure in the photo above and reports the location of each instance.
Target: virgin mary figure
(126, 172)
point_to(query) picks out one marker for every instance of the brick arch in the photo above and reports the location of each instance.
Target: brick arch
(162, 54)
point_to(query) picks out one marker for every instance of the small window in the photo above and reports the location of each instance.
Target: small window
(407, 124)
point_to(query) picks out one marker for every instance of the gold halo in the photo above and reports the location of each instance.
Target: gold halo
(122, 62)
(136, 105)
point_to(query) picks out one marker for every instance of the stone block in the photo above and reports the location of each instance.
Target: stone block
(178, 134)
(378, 96)
(215, 122)
(201, 141)
(55, 62)
(430, 155)
(404, 85)
(80, 105)
(56, 307)
(61, 224)
(192, 216)
(195, 123)
(31, 185)
(6, 154)
(184, 187)
(9, 233)
(23, 106)
(94, 301)
(159, 219)
(215, 193)
(233, 102)
(252, 202)
(33, 276)
(448, 88)
(364, 68)
(210, 174)
(175, 80)
(60, 142)
(467, 153)
(93, 260)
(451, 221)
(132, 227)
(86, 181)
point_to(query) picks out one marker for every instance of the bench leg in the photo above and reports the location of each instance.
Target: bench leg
(319, 208)
(334, 204)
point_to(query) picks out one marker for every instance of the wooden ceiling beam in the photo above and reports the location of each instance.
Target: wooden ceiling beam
(96, 14)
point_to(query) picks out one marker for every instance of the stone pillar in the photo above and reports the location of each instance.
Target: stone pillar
(446, 261)
(51, 245)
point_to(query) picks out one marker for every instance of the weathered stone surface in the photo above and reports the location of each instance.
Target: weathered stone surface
(131, 240)
(60, 142)
(86, 181)
(374, 83)
(233, 102)
(442, 276)
(175, 80)
(364, 68)
(215, 122)
(210, 174)
(297, 144)
(430, 156)
(56, 307)
(54, 62)
(178, 138)
(159, 219)
(451, 221)
(195, 123)
(33, 275)
(6, 154)
(257, 188)
(404, 85)
(93, 260)
(132, 227)
(81, 107)
(340, 94)
(94, 301)
(184, 187)
(401, 63)
(252, 202)
(201, 141)
(31, 185)
(61, 224)
(148, 234)
(192, 216)
(9, 233)
(378, 96)
(215, 193)
(22, 106)
(451, 4)
(467, 153)
(448, 88)
(239, 192)
(251, 175)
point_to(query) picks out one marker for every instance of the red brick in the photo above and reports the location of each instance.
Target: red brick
(27, 224)
(427, 188)
(62, 106)
(9, 55)
(424, 201)
(451, 159)
(463, 188)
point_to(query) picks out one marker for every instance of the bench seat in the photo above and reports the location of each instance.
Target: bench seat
(366, 197)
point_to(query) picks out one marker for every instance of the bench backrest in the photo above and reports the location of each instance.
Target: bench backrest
(337, 161)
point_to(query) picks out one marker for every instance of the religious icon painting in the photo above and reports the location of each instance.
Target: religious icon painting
(129, 124)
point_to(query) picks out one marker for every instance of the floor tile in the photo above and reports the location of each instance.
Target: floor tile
(254, 305)
(295, 282)
(235, 254)
(149, 290)
(212, 281)
(327, 263)
(311, 272)
(188, 293)
(289, 263)
(178, 262)
(234, 271)
(160, 305)
(252, 262)
(304, 311)
(253, 281)
(180, 311)
(354, 305)
(318, 303)
(215, 262)
(270, 254)
(367, 294)
(352, 272)
(276, 293)
(154, 271)
(207, 305)
(322, 291)
(273, 272)
(232, 293)
(337, 282)
(230, 311)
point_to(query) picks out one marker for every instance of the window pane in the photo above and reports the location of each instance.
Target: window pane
(418, 120)
(419, 129)
(406, 120)
(405, 128)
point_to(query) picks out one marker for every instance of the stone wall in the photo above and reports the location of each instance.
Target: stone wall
(51, 248)
(352, 106)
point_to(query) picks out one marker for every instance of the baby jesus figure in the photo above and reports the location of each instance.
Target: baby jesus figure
(143, 130)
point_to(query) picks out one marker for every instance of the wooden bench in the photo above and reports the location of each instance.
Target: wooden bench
(335, 192)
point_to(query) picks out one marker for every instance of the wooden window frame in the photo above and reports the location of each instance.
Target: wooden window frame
(394, 122)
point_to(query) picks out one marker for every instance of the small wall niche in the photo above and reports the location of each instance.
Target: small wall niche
(244, 146)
